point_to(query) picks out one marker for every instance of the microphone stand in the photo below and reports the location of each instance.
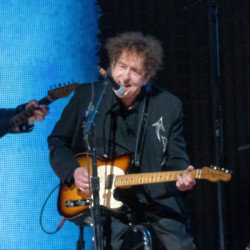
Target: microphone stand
(217, 109)
(95, 183)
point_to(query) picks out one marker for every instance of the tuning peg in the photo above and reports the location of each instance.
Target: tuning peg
(223, 169)
(64, 84)
(229, 171)
(60, 85)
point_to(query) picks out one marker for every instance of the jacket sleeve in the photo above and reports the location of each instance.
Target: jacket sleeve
(176, 156)
(173, 157)
(6, 115)
(62, 157)
(25, 127)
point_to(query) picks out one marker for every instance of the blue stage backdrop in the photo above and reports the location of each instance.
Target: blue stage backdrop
(43, 42)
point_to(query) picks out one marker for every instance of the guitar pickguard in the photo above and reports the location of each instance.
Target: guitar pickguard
(107, 174)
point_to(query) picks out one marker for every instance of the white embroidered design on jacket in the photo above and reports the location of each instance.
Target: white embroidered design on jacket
(158, 128)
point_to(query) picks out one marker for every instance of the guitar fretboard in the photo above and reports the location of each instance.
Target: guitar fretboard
(157, 177)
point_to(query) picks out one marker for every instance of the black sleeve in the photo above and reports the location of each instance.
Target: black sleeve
(62, 157)
(176, 156)
(25, 127)
(6, 115)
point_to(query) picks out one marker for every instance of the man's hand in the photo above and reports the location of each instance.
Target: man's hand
(82, 180)
(185, 182)
(39, 112)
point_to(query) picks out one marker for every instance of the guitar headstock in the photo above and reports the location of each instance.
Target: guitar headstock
(63, 90)
(214, 174)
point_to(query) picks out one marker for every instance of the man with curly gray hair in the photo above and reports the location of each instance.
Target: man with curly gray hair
(143, 121)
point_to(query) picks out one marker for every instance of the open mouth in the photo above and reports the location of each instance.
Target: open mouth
(126, 85)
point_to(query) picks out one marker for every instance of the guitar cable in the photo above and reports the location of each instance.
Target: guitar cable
(42, 210)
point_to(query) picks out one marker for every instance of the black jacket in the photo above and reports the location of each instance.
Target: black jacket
(163, 148)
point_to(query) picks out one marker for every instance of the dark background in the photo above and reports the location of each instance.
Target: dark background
(182, 26)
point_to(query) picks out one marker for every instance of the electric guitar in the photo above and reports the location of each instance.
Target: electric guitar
(72, 202)
(52, 95)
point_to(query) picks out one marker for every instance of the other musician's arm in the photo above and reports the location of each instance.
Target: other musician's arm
(40, 112)
(7, 114)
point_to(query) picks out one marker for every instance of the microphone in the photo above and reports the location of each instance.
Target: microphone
(118, 89)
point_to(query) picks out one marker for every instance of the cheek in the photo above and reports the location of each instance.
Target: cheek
(117, 74)
(140, 82)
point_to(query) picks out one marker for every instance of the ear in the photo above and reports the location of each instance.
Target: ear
(147, 78)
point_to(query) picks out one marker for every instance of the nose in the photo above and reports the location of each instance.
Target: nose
(126, 75)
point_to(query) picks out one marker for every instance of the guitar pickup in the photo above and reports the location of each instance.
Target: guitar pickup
(109, 181)
(78, 203)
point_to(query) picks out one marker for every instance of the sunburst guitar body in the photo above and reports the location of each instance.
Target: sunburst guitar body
(107, 170)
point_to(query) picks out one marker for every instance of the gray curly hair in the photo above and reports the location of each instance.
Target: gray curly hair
(136, 42)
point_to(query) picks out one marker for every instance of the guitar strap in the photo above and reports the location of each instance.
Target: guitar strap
(142, 127)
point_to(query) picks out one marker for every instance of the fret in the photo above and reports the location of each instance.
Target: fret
(196, 174)
(152, 177)
(132, 180)
(141, 179)
(199, 173)
(167, 178)
(158, 177)
(170, 176)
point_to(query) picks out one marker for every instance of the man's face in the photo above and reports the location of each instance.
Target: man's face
(129, 71)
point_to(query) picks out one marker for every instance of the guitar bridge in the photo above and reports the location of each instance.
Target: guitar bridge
(78, 203)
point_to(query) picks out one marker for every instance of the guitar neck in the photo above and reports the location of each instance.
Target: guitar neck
(46, 100)
(155, 177)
